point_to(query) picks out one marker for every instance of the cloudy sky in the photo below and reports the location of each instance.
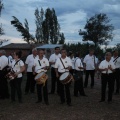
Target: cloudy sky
(72, 15)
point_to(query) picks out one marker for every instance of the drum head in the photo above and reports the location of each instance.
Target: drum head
(39, 75)
(64, 75)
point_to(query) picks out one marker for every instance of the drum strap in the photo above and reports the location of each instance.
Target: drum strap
(15, 64)
(62, 63)
(39, 62)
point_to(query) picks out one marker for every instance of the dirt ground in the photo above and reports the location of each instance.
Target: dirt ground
(83, 108)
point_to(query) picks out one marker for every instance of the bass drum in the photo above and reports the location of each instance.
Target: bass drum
(65, 78)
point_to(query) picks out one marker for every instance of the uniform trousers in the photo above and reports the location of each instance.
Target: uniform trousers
(116, 75)
(92, 74)
(30, 83)
(107, 79)
(54, 80)
(3, 86)
(42, 89)
(16, 87)
(78, 84)
(62, 92)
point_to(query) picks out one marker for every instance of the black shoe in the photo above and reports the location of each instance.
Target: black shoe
(69, 104)
(26, 93)
(92, 87)
(51, 93)
(20, 101)
(62, 102)
(109, 101)
(47, 103)
(76, 95)
(84, 95)
(39, 101)
(12, 101)
(102, 101)
(117, 93)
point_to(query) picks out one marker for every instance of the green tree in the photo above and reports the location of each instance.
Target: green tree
(24, 30)
(1, 29)
(39, 22)
(62, 39)
(98, 29)
(51, 27)
(1, 6)
(47, 28)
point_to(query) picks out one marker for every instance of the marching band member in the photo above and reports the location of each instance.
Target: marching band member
(90, 62)
(107, 68)
(52, 61)
(3, 81)
(71, 56)
(116, 60)
(78, 84)
(62, 65)
(18, 67)
(30, 83)
(41, 64)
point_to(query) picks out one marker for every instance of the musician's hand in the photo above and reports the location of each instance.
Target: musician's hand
(106, 69)
(33, 73)
(16, 74)
(110, 68)
(68, 68)
(45, 68)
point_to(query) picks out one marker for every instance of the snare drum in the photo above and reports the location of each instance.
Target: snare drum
(10, 76)
(65, 78)
(41, 78)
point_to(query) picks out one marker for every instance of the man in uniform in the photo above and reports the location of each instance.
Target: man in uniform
(63, 64)
(90, 62)
(30, 83)
(3, 81)
(116, 60)
(52, 61)
(107, 68)
(41, 64)
(78, 84)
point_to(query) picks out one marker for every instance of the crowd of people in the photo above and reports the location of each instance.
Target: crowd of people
(65, 68)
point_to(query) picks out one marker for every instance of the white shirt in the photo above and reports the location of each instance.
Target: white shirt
(116, 62)
(89, 61)
(59, 65)
(3, 62)
(16, 67)
(10, 60)
(30, 62)
(53, 58)
(43, 63)
(78, 63)
(104, 64)
(72, 61)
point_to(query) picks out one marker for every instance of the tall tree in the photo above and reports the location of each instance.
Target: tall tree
(1, 6)
(24, 30)
(39, 22)
(98, 29)
(62, 39)
(51, 27)
(1, 29)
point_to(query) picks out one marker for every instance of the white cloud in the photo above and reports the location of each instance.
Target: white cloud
(71, 14)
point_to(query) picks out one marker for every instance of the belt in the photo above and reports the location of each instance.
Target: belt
(107, 73)
(78, 71)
